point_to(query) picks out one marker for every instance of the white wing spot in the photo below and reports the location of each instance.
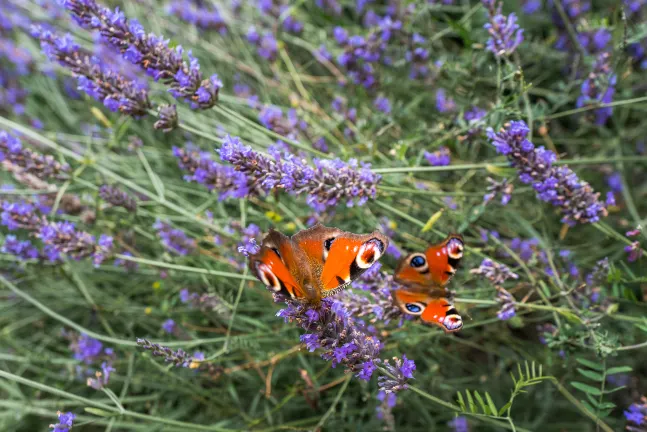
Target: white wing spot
(437, 253)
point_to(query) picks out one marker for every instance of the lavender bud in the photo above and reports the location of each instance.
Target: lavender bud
(178, 358)
(118, 198)
(29, 162)
(496, 273)
(505, 33)
(167, 120)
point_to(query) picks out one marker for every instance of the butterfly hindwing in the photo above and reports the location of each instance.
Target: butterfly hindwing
(431, 310)
(435, 267)
(277, 265)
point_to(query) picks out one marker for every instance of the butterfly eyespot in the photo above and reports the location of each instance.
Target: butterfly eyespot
(369, 252)
(455, 248)
(327, 245)
(268, 277)
(418, 261)
(453, 322)
(414, 308)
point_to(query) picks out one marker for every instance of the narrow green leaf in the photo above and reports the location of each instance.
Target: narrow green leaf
(588, 406)
(594, 401)
(619, 369)
(607, 405)
(504, 408)
(527, 371)
(461, 402)
(614, 390)
(470, 401)
(604, 413)
(99, 412)
(491, 404)
(586, 388)
(534, 372)
(591, 375)
(590, 364)
(481, 402)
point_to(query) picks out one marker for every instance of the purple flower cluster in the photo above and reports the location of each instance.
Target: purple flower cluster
(634, 250)
(288, 126)
(276, 9)
(102, 377)
(418, 57)
(27, 161)
(117, 93)
(350, 114)
(150, 52)
(503, 188)
(330, 328)
(638, 52)
(174, 239)
(399, 372)
(326, 184)
(65, 422)
(167, 118)
(16, 62)
(382, 104)
(505, 33)
(201, 169)
(496, 273)
(169, 326)
(20, 215)
(440, 157)
(205, 302)
(557, 185)
(266, 44)
(177, 358)
(118, 198)
(459, 424)
(198, 14)
(599, 88)
(379, 302)
(361, 54)
(24, 250)
(507, 304)
(64, 238)
(87, 349)
(444, 103)
(637, 415)
(332, 6)
(384, 410)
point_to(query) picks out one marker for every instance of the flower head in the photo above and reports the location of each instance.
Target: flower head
(65, 422)
(505, 33)
(557, 185)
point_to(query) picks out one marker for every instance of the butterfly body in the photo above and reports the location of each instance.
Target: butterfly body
(424, 277)
(315, 263)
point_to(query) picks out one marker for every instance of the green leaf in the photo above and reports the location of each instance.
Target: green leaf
(100, 412)
(461, 402)
(504, 408)
(607, 405)
(470, 401)
(588, 406)
(619, 369)
(590, 364)
(481, 402)
(491, 404)
(614, 390)
(586, 388)
(591, 375)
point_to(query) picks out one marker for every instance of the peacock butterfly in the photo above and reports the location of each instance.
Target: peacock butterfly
(423, 277)
(315, 263)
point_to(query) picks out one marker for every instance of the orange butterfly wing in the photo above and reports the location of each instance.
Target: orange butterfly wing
(339, 257)
(435, 267)
(277, 266)
(431, 310)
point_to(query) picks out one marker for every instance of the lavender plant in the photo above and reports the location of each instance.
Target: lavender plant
(127, 301)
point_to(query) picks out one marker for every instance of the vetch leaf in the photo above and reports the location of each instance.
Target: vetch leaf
(619, 369)
(591, 375)
(586, 388)
(590, 364)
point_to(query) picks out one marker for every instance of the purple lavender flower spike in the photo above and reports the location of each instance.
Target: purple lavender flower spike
(64, 238)
(118, 198)
(201, 169)
(496, 273)
(557, 185)
(326, 184)
(150, 52)
(503, 188)
(637, 415)
(169, 326)
(382, 104)
(440, 157)
(19, 214)
(23, 250)
(444, 104)
(400, 371)
(174, 239)
(505, 33)
(117, 93)
(459, 424)
(178, 358)
(198, 14)
(65, 422)
(167, 120)
(27, 161)
(599, 88)
(507, 302)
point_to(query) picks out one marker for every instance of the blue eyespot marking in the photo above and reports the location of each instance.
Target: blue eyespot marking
(418, 261)
(413, 308)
